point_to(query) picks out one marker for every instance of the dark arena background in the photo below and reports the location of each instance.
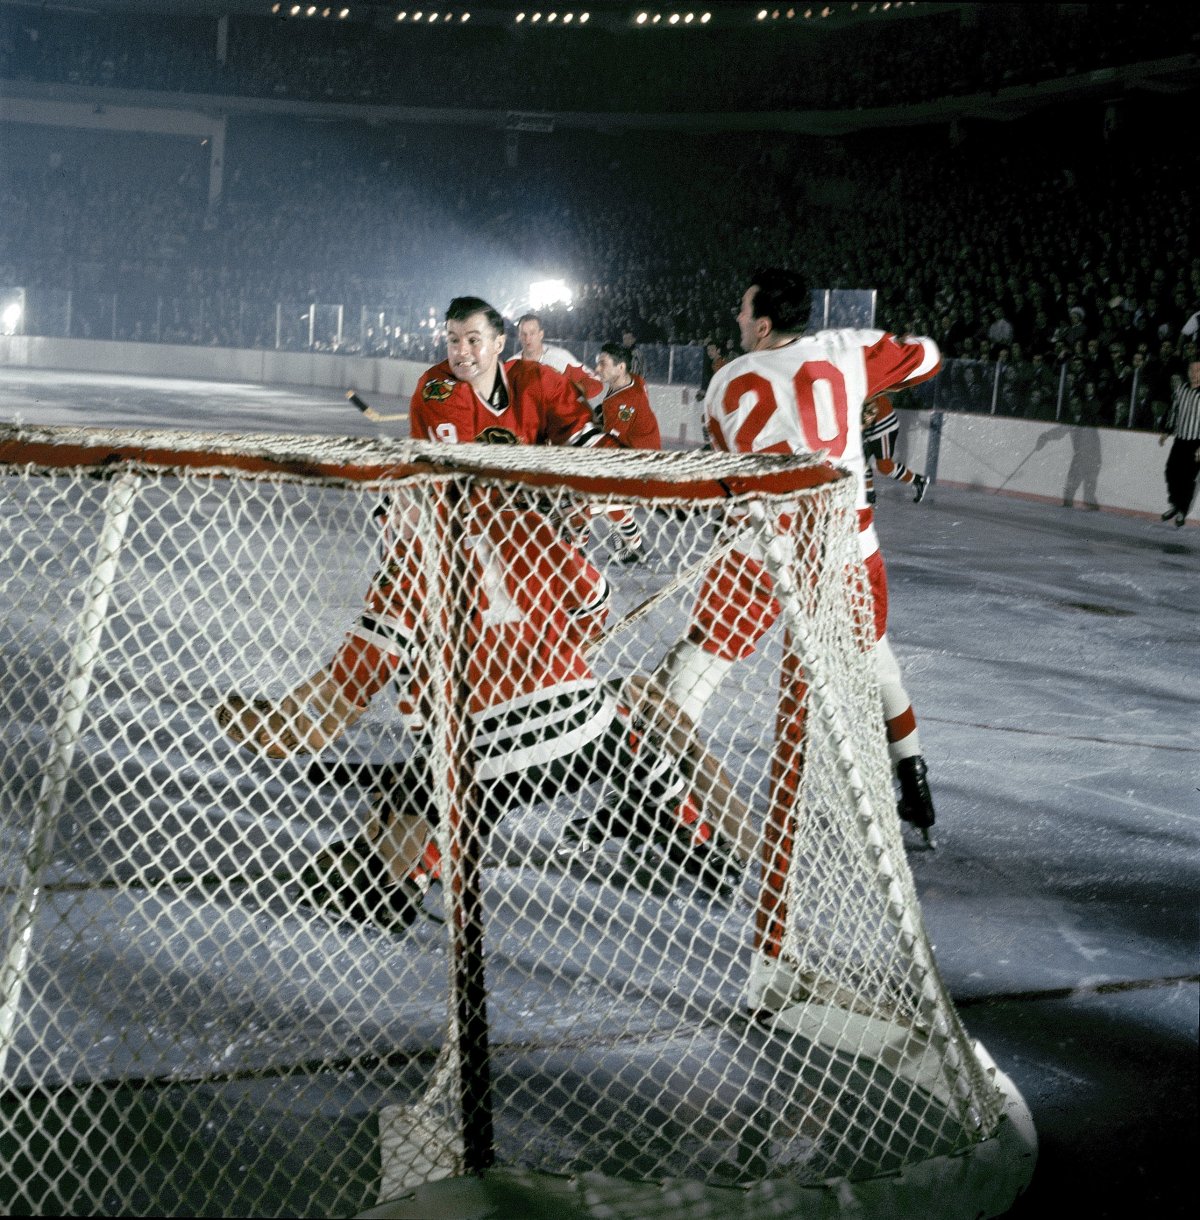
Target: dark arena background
(225, 217)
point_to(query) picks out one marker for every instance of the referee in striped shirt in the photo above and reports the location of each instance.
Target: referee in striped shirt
(1183, 462)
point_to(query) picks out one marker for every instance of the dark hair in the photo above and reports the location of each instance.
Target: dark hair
(530, 317)
(784, 297)
(620, 354)
(461, 308)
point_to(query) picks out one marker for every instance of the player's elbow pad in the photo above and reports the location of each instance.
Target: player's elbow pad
(690, 676)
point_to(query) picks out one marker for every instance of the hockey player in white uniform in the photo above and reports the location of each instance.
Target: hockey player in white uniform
(795, 393)
(532, 338)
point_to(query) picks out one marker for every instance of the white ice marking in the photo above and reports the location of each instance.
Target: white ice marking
(1072, 938)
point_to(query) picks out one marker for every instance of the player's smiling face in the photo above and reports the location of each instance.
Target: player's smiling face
(473, 348)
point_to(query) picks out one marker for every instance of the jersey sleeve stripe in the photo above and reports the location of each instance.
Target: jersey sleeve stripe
(596, 604)
(388, 635)
(931, 360)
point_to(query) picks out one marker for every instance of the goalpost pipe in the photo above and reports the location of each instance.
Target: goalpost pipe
(64, 739)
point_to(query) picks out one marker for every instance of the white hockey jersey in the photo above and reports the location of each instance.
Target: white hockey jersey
(807, 397)
(575, 371)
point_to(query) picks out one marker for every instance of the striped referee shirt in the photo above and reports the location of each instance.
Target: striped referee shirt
(1184, 422)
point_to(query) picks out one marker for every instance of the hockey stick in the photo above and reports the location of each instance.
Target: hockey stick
(261, 886)
(646, 605)
(369, 411)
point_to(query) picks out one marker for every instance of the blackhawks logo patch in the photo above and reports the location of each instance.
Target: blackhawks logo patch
(437, 391)
(624, 413)
(497, 436)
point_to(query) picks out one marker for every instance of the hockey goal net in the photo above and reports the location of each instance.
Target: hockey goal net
(194, 1020)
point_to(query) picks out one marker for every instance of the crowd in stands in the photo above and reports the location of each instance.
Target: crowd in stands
(1056, 257)
(937, 51)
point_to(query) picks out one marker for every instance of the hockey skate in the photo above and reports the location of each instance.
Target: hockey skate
(916, 803)
(581, 838)
(629, 555)
(681, 847)
(349, 881)
(920, 487)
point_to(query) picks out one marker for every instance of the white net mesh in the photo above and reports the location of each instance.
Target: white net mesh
(346, 846)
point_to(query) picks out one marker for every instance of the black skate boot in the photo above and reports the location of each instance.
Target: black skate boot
(916, 804)
(683, 847)
(348, 881)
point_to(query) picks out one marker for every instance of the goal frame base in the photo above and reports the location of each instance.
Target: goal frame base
(983, 1181)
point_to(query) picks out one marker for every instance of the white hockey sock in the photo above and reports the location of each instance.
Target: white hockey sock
(906, 747)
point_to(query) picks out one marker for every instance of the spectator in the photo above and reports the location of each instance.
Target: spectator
(637, 365)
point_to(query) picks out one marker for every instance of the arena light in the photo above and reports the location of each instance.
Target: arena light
(543, 293)
(642, 18)
(10, 318)
(705, 18)
(762, 14)
(674, 18)
(520, 17)
(568, 18)
(583, 18)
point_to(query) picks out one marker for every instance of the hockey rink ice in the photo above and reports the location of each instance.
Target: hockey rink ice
(1053, 657)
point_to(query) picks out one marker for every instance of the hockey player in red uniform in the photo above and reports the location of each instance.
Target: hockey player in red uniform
(626, 415)
(625, 409)
(537, 721)
(880, 425)
(472, 395)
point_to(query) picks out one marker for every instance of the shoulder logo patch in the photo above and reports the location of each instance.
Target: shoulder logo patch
(624, 413)
(437, 391)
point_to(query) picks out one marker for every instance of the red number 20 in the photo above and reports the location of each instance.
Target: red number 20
(821, 405)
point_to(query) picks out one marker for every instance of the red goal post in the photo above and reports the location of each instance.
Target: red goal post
(185, 1026)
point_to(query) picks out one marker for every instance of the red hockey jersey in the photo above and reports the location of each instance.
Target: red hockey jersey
(575, 371)
(629, 417)
(542, 408)
(535, 603)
